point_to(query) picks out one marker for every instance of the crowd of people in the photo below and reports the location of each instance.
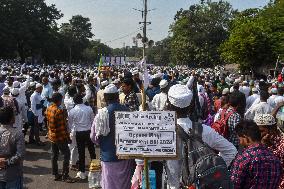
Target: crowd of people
(74, 107)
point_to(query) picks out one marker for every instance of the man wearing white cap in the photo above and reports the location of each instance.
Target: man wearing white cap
(250, 100)
(36, 108)
(245, 89)
(159, 101)
(101, 103)
(116, 174)
(21, 108)
(179, 101)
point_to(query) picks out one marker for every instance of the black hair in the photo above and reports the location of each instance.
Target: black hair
(72, 90)
(57, 97)
(264, 95)
(248, 128)
(6, 115)
(78, 99)
(109, 98)
(128, 82)
(234, 99)
(281, 91)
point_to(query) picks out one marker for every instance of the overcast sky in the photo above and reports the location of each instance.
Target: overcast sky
(115, 22)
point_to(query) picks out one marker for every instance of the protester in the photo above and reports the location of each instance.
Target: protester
(255, 166)
(12, 151)
(80, 120)
(36, 108)
(116, 174)
(179, 101)
(59, 137)
(159, 101)
(131, 100)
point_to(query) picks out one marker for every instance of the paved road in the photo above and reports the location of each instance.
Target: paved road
(37, 170)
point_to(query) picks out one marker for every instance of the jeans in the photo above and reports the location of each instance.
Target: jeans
(15, 184)
(64, 149)
(83, 138)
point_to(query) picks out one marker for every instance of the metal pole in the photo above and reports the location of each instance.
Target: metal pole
(146, 169)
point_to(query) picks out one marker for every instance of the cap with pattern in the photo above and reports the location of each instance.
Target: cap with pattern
(264, 119)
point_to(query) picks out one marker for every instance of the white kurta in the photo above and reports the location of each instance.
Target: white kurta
(260, 108)
(245, 90)
(212, 138)
(19, 117)
(250, 100)
(271, 101)
(36, 99)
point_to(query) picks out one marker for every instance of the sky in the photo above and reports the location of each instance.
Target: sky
(115, 22)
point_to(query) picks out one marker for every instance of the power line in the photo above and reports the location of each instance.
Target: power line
(124, 36)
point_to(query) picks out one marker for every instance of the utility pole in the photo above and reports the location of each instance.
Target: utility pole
(145, 28)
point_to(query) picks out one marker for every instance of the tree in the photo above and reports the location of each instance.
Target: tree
(256, 37)
(95, 50)
(27, 26)
(198, 32)
(75, 37)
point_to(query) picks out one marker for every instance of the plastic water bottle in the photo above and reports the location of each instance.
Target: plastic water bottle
(94, 179)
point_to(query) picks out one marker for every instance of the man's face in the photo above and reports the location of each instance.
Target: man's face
(125, 88)
(45, 80)
(39, 89)
(264, 131)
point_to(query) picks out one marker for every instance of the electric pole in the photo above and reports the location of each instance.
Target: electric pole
(145, 28)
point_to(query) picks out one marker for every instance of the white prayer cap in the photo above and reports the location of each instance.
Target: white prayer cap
(116, 81)
(38, 85)
(6, 90)
(163, 84)
(274, 91)
(254, 89)
(180, 96)
(225, 91)
(264, 119)
(104, 83)
(245, 82)
(32, 84)
(110, 89)
(16, 84)
(15, 91)
(135, 72)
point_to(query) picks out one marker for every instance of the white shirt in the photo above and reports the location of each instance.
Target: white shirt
(80, 118)
(271, 101)
(278, 99)
(250, 100)
(36, 99)
(260, 108)
(68, 102)
(159, 101)
(245, 90)
(212, 138)
(46, 93)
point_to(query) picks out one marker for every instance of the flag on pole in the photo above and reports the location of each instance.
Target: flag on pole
(146, 80)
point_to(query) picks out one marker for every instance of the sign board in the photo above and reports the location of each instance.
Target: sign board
(149, 134)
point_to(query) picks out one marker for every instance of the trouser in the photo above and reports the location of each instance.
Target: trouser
(34, 132)
(83, 138)
(158, 167)
(15, 184)
(74, 151)
(63, 148)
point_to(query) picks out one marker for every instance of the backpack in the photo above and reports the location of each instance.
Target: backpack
(221, 125)
(202, 168)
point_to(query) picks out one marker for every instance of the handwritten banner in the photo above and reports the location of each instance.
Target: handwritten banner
(146, 134)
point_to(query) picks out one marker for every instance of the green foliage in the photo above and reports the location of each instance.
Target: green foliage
(95, 50)
(26, 26)
(198, 32)
(256, 37)
(75, 37)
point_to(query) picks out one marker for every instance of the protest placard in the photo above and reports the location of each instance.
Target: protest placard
(146, 134)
